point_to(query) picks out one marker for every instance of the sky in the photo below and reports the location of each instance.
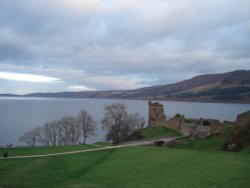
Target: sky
(80, 45)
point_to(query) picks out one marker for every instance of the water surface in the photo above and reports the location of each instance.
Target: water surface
(18, 115)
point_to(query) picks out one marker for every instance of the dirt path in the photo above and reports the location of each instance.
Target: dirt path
(138, 143)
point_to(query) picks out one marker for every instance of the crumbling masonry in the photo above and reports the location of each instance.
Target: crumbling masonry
(199, 128)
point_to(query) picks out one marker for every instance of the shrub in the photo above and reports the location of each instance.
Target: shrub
(5, 154)
(177, 116)
(136, 135)
(240, 139)
(189, 120)
(206, 123)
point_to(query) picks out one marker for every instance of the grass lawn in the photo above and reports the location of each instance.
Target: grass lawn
(156, 132)
(208, 144)
(43, 150)
(134, 167)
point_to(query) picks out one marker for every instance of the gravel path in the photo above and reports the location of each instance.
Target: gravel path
(138, 143)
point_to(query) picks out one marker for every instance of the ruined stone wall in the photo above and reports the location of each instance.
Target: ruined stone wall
(198, 128)
(174, 123)
(243, 118)
(188, 129)
(203, 131)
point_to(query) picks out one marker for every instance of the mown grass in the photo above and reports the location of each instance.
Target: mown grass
(43, 150)
(208, 144)
(101, 144)
(140, 167)
(156, 132)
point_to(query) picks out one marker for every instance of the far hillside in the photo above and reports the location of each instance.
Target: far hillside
(231, 87)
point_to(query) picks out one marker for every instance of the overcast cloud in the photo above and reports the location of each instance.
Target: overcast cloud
(118, 44)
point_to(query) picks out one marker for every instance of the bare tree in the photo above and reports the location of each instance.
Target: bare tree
(86, 124)
(30, 137)
(51, 132)
(43, 135)
(69, 131)
(74, 131)
(65, 130)
(113, 121)
(136, 121)
(118, 123)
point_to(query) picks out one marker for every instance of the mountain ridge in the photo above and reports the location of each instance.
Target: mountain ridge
(233, 87)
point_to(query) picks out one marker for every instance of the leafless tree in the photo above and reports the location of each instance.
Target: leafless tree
(51, 132)
(30, 137)
(70, 133)
(67, 131)
(87, 125)
(118, 123)
(136, 121)
(43, 135)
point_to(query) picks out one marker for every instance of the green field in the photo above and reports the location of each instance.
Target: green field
(43, 150)
(156, 132)
(134, 167)
(207, 144)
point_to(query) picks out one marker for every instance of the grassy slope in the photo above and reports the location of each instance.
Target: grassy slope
(43, 150)
(130, 167)
(156, 132)
(208, 144)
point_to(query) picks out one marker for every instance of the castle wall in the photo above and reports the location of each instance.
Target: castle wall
(174, 123)
(199, 128)
(243, 118)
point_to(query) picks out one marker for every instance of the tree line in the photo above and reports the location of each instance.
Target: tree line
(75, 130)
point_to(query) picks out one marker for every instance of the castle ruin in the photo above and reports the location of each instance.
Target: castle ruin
(243, 119)
(156, 114)
(200, 128)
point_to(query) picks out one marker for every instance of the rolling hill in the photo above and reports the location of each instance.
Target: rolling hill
(233, 87)
(227, 87)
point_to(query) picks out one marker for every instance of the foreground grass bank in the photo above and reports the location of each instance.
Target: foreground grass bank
(43, 150)
(143, 167)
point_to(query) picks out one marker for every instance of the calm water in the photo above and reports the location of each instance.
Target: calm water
(18, 115)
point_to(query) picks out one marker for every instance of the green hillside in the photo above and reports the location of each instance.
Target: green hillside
(231, 87)
(43, 150)
(140, 167)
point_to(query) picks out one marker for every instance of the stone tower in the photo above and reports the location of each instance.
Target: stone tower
(156, 114)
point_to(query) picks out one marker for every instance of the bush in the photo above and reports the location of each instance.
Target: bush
(5, 154)
(240, 139)
(206, 123)
(136, 135)
(177, 116)
(188, 120)
(227, 133)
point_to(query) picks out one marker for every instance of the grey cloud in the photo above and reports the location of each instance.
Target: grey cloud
(140, 43)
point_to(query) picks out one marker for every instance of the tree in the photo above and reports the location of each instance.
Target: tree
(87, 125)
(136, 121)
(30, 137)
(118, 123)
(43, 135)
(51, 130)
(69, 131)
